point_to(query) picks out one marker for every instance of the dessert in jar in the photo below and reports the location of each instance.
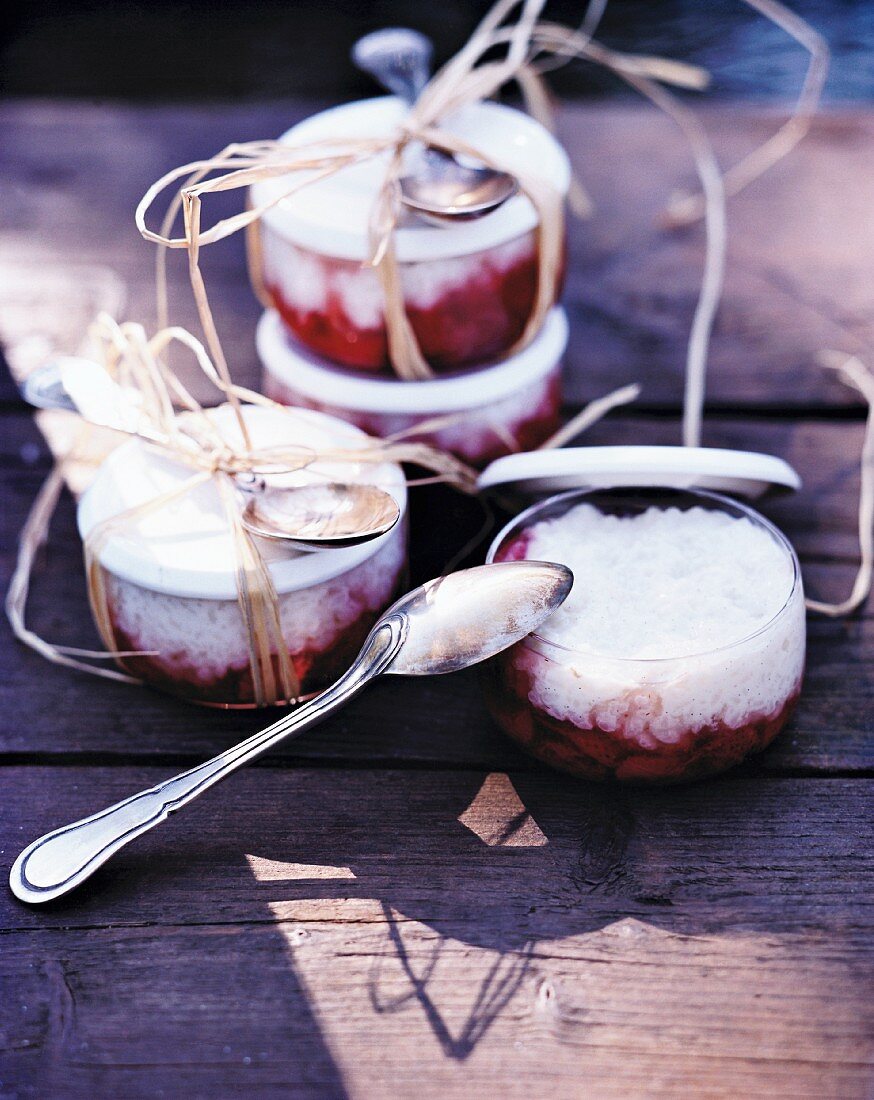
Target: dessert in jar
(169, 577)
(680, 650)
(514, 405)
(468, 289)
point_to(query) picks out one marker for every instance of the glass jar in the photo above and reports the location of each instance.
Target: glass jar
(169, 577)
(501, 408)
(595, 697)
(468, 289)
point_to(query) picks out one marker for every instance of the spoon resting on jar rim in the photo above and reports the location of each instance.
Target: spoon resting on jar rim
(313, 516)
(442, 626)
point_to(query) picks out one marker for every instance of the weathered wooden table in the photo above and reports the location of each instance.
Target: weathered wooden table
(401, 904)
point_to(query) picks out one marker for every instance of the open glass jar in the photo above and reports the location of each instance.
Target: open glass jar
(479, 415)
(681, 650)
(169, 577)
(468, 289)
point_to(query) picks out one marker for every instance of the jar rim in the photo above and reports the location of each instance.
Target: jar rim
(341, 230)
(347, 388)
(193, 563)
(524, 519)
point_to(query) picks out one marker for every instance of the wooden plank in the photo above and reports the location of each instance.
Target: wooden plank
(801, 254)
(822, 519)
(697, 856)
(442, 722)
(428, 722)
(349, 933)
(406, 1009)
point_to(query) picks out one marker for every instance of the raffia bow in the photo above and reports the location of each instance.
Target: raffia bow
(162, 407)
(467, 78)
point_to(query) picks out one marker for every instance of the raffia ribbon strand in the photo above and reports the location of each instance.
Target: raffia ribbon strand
(191, 437)
(467, 78)
(590, 414)
(33, 536)
(854, 373)
(686, 208)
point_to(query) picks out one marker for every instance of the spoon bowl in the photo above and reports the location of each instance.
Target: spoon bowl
(441, 188)
(445, 190)
(466, 617)
(321, 515)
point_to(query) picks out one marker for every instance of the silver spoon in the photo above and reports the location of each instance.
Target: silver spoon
(444, 625)
(442, 189)
(320, 515)
(75, 384)
(315, 516)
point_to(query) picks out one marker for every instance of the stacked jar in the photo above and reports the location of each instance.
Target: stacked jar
(469, 291)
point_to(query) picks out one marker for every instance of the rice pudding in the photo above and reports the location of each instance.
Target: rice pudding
(169, 577)
(680, 649)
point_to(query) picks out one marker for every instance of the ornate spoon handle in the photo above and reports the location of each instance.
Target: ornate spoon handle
(61, 860)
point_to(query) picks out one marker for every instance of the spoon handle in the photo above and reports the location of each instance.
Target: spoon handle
(61, 860)
(398, 58)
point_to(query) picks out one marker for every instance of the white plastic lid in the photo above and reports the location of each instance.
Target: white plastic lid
(742, 473)
(316, 378)
(185, 548)
(331, 216)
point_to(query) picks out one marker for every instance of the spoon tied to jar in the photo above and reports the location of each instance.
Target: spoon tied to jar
(216, 447)
(444, 625)
(318, 515)
(441, 188)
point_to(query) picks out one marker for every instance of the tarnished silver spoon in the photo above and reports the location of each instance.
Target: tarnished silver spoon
(319, 515)
(314, 516)
(442, 188)
(444, 625)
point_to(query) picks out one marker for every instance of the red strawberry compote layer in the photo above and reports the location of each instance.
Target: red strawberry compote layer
(169, 577)
(479, 415)
(680, 650)
(199, 647)
(468, 289)
(463, 310)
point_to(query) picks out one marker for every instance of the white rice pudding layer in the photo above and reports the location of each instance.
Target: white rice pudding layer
(473, 435)
(311, 282)
(669, 625)
(209, 635)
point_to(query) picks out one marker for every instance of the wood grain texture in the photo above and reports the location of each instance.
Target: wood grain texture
(402, 904)
(334, 933)
(442, 722)
(800, 264)
(437, 721)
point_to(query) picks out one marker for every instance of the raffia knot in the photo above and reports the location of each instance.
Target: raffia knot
(407, 132)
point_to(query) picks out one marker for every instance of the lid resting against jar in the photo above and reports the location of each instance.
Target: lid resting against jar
(185, 548)
(331, 216)
(741, 473)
